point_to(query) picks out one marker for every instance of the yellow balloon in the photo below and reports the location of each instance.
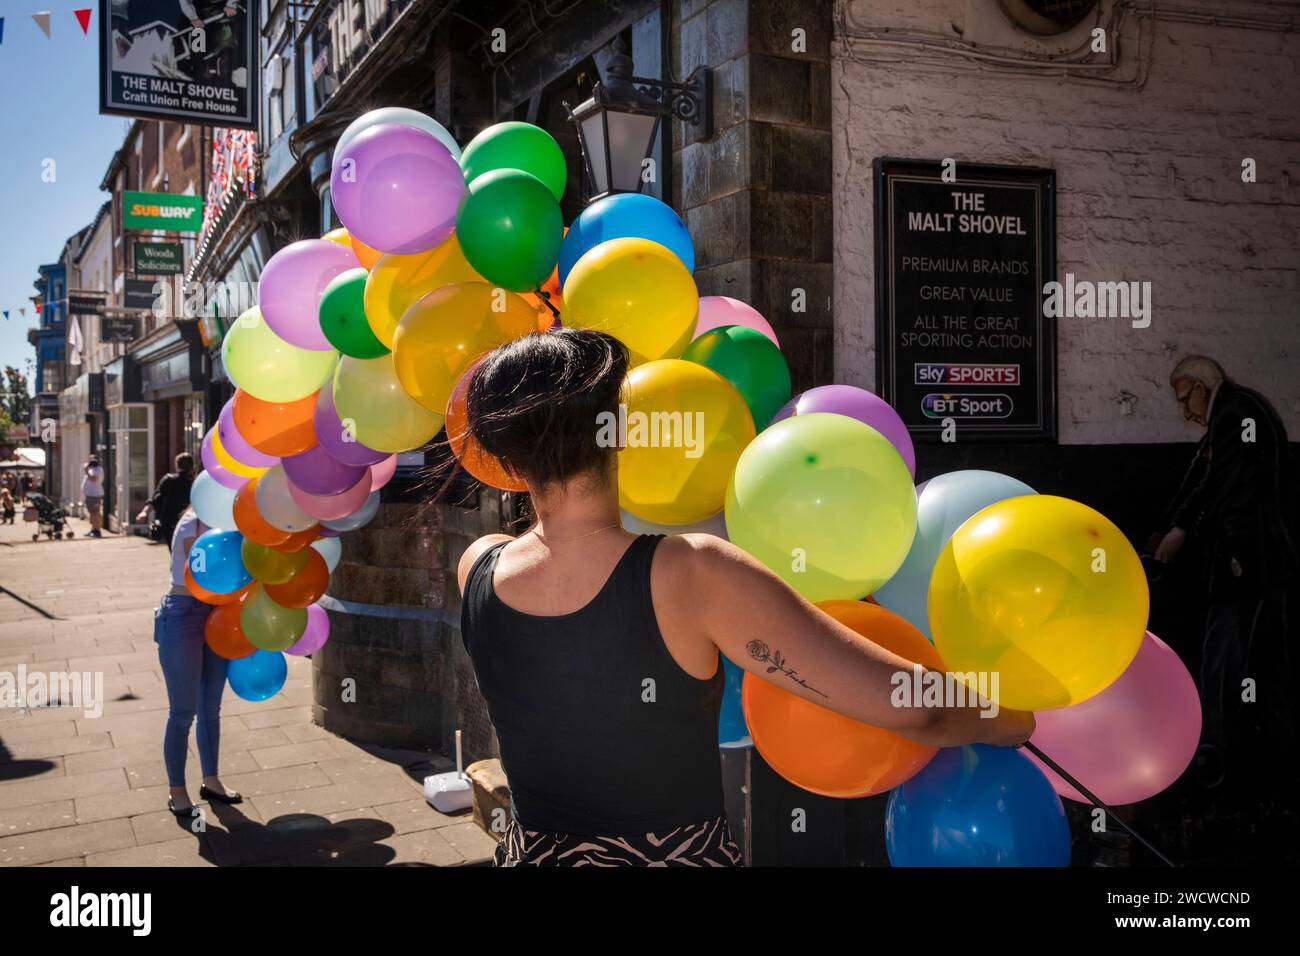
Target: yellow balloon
(682, 433)
(228, 461)
(339, 235)
(397, 282)
(372, 403)
(267, 367)
(1044, 592)
(637, 291)
(271, 566)
(447, 329)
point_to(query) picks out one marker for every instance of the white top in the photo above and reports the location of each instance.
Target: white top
(93, 486)
(187, 530)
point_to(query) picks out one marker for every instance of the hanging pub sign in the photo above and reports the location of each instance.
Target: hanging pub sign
(86, 302)
(118, 328)
(189, 61)
(140, 295)
(158, 258)
(963, 350)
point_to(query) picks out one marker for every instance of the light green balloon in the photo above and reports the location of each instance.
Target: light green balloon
(267, 367)
(270, 626)
(826, 502)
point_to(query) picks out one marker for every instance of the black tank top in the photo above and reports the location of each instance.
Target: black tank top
(601, 732)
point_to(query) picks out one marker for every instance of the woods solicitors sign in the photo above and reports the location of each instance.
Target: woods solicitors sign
(191, 62)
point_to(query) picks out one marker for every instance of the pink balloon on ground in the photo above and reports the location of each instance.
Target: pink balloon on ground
(382, 473)
(858, 403)
(316, 634)
(333, 507)
(397, 188)
(335, 438)
(1133, 739)
(234, 443)
(290, 288)
(316, 472)
(223, 475)
(719, 310)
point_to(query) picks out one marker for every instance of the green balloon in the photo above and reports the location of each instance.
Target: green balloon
(343, 316)
(270, 626)
(749, 360)
(510, 228)
(516, 145)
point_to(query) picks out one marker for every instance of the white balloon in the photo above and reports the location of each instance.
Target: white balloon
(358, 518)
(716, 526)
(213, 502)
(398, 114)
(331, 550)
(277, 506)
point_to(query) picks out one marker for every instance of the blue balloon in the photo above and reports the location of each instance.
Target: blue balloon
(942, 506)
(733, 732)
(977, 806)
(259, 676)
(626, 215)
(359, 518)
(216, 562)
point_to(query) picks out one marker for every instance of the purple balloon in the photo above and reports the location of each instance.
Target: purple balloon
(317, 633)
(397, 189)
(855, 403)
(290, 288)
(234, 443)
(1131, 740)
(333, 437)
(219, 472)
(317, 473)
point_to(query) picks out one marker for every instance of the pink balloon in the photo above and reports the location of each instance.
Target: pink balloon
(397, 188)
(316, 634)
(1133, 739)
(332, 507)
(718, 310)
(222, 475)
(235, 445)
(866, 407)
(290, 288)
(382, 473)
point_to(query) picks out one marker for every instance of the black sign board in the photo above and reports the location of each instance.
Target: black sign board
(118, 328)
(961, 339)
(140, 294)
(85, 303)
(156, 63)
(157, 258)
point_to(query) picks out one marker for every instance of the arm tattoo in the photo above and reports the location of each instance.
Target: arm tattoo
(777, 663)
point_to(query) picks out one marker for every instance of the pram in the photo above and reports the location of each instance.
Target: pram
(49, 518)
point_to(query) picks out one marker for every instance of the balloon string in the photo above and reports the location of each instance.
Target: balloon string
(1096, 801)
(546, 300)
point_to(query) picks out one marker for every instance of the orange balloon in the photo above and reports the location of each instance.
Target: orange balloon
(545, 317)
(275, 428)
(211, 597)
(828, 753)
(299, 539)
(224, 634)
(249, 521)
(365, 255)
(465, 447)
(304, 588)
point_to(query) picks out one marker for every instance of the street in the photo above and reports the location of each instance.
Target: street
(90, 790)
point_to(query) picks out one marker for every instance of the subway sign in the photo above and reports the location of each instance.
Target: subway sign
(161, 211)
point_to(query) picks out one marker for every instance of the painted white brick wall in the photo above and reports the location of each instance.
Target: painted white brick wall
(1149, 189)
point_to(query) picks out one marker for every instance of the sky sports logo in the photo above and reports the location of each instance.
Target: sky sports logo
(952, 373)
(76, 909)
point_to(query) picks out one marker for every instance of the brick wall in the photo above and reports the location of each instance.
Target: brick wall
(1148, 159)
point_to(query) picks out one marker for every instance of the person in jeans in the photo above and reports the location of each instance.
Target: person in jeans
(92, 490)
(564, 623)
(171, 497)
(195, 678)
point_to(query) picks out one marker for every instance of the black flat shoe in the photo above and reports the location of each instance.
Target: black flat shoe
(184, 814)
(207, 794)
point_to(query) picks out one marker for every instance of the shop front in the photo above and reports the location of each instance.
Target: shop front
(82, 432)
(128, 454)
(174, 375)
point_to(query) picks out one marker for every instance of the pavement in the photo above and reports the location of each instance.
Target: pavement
(87, 789)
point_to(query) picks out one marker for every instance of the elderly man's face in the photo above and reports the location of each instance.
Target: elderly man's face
(1195, 399)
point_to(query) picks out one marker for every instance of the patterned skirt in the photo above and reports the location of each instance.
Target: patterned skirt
(696, 844)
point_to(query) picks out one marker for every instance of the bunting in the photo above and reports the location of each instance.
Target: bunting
(234, 154)
(83, 17)
(43, 21)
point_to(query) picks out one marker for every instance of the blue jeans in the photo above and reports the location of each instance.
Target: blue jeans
(195, 679)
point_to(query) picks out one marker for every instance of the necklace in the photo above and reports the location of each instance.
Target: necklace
(547, 537)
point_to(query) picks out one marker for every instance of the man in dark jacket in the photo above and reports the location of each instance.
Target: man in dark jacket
(1238, 499)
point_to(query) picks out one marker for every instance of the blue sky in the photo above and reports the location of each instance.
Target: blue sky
(49, 109)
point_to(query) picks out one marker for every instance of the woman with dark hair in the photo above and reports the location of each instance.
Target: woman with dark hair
(597, 649)
(171, 497)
